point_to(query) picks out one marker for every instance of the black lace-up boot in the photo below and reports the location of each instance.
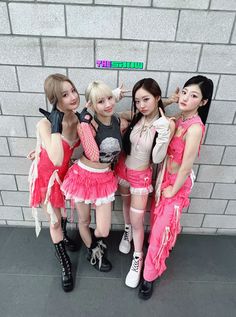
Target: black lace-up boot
(69, 243)
(96, 255)
(66, 272)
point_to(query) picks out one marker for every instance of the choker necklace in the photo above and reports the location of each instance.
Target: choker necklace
(147, 124)
(186, 119)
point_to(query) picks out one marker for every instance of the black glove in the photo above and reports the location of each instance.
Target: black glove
(55, 117)
(84, 116)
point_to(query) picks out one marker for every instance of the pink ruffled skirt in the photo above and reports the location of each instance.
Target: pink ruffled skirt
(89, 185)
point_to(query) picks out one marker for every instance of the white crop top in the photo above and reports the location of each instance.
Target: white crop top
(141, 139)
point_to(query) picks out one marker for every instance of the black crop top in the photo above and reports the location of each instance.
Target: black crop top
(109, 140)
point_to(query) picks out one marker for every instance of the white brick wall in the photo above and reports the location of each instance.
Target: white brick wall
(17, 103)
(208, 27)
(229, 156)
(231, 208)
(121, 50)
(210, 153)
(223, 5)
(180, 56)
(84, 22)
(224, 191)
(224, 60)
(31, 79)
(4, 151)
(17, 50)
(4, 25)
(216, 136)
(226, 89)
(7, 182)
(89, 75)
(125, 2)
(175, 39)
(39, 19)
(181, 4)
(12, 126)
(68, 52)
(222, 112)
(202, 190)
(136, 25)
(8, 80)
(21, 146)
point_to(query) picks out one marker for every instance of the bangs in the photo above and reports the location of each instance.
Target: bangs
(98, 91)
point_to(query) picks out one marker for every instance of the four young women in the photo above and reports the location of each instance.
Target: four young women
(91, 179)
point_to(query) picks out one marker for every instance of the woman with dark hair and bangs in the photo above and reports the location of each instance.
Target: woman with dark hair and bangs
(144, 142)
(175, 181)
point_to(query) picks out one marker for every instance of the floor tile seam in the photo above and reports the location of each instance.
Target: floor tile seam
(118, 278)
(28, 274)
(56, 275)
(99, 277)
(200, 282)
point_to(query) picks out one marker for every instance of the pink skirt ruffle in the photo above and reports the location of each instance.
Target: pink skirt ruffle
(165, 228)
(81, 185)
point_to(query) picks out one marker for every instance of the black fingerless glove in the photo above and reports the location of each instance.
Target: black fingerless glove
(55, 117)
(84, 116)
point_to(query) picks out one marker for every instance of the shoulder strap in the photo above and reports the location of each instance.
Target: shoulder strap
(116, 116)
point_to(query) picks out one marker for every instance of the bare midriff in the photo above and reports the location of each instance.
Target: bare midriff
(97, 165)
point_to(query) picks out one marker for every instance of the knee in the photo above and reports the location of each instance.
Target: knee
(103, 232)
(56, 225)
(84, 222)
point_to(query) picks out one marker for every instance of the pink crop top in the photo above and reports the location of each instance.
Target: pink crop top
(177, 144)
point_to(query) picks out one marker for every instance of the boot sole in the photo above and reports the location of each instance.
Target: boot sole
(144, 297)
(102, 270)
(68, 288)
(124, 251)
(132, 286)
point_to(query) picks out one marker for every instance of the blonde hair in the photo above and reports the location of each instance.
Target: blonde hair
(96, 90)
(53, 87)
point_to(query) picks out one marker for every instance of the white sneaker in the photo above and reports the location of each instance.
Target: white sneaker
(125, 245)
(133, 277)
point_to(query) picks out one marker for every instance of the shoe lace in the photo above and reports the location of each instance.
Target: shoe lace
(64, 261)
(102, 246)
(135, 264)
(97, 254)
(126, 236)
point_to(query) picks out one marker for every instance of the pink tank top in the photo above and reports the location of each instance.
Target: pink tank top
(177, 144)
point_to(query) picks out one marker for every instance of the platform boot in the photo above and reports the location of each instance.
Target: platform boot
(66, 271)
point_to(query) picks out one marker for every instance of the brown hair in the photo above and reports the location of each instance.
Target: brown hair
(53, 87)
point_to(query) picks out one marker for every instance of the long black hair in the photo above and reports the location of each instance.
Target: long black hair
(153, 88)
(206, 86)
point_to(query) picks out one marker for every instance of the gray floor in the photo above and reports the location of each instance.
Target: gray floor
(200, 280)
